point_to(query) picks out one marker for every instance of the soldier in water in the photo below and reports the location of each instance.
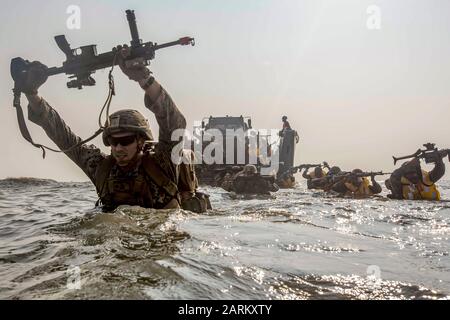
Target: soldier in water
(130, 175)
(249, 181)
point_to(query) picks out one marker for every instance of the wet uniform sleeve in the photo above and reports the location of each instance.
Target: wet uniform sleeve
(167, 115)
(87, 157)
(438, 170)
(306, 175)
(396, 184)
(375, 188)
(169, 119)
(350, 187)
(339, 187)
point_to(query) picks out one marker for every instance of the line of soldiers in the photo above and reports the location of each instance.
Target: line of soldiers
(355, 183)
(409, 182)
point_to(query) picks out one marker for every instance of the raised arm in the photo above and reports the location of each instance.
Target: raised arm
(167, 114)
(375, 187)
(438, 170)
(87, 157)
(42, 114)
(305, 173)
(156, 98)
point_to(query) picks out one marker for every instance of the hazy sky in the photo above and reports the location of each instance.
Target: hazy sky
(356, 96)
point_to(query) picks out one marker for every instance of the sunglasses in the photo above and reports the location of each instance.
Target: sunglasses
(124, 141)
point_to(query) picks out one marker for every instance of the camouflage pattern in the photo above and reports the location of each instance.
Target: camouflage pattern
(227, 182)
(89, 157)
(127, 121)
(249, 182)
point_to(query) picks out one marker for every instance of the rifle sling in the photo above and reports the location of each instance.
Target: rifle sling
(26, 133)
(155, 172)
(22, 124)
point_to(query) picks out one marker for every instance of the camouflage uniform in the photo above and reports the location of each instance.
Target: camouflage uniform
(89, 158)
(227, 182)
(249, 182)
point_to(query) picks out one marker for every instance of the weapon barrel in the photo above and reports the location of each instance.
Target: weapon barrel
(403, 158)
(182, 41)
(315, 165)
(406, 157)
(105, 60)
(368, 174)
(54, 71)
(308, 165)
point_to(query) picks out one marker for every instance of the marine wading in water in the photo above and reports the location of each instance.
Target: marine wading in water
(409, 182)
(138, 171)
(249, 181)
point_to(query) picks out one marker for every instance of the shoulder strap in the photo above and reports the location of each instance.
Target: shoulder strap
(156, 173)
(102, 174)
(27, 136)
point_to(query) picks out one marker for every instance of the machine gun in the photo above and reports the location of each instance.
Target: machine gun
(307, 166)
(369, 174)
(343, 175)
(82, 62)
(329, 180)
(428, 154)
(298, 168)
(303, 166)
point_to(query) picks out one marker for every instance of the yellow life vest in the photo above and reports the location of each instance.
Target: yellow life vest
(361, 191)
(424, 190)
(287, 182)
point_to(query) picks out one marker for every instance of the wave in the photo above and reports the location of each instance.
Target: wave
(27, 181)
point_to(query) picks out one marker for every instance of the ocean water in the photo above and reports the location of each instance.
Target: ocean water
(298, 244)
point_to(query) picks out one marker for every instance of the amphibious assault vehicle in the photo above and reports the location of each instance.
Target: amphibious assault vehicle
(227, 144)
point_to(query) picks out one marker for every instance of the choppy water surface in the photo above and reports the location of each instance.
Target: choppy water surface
(300, 245)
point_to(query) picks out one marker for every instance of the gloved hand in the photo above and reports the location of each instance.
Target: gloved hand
(30, 81)
(436, 156)
(134, 69)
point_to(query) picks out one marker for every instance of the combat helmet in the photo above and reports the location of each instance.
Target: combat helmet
(250, 169)
(334, 170)
(127, 120)
(318, 172)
